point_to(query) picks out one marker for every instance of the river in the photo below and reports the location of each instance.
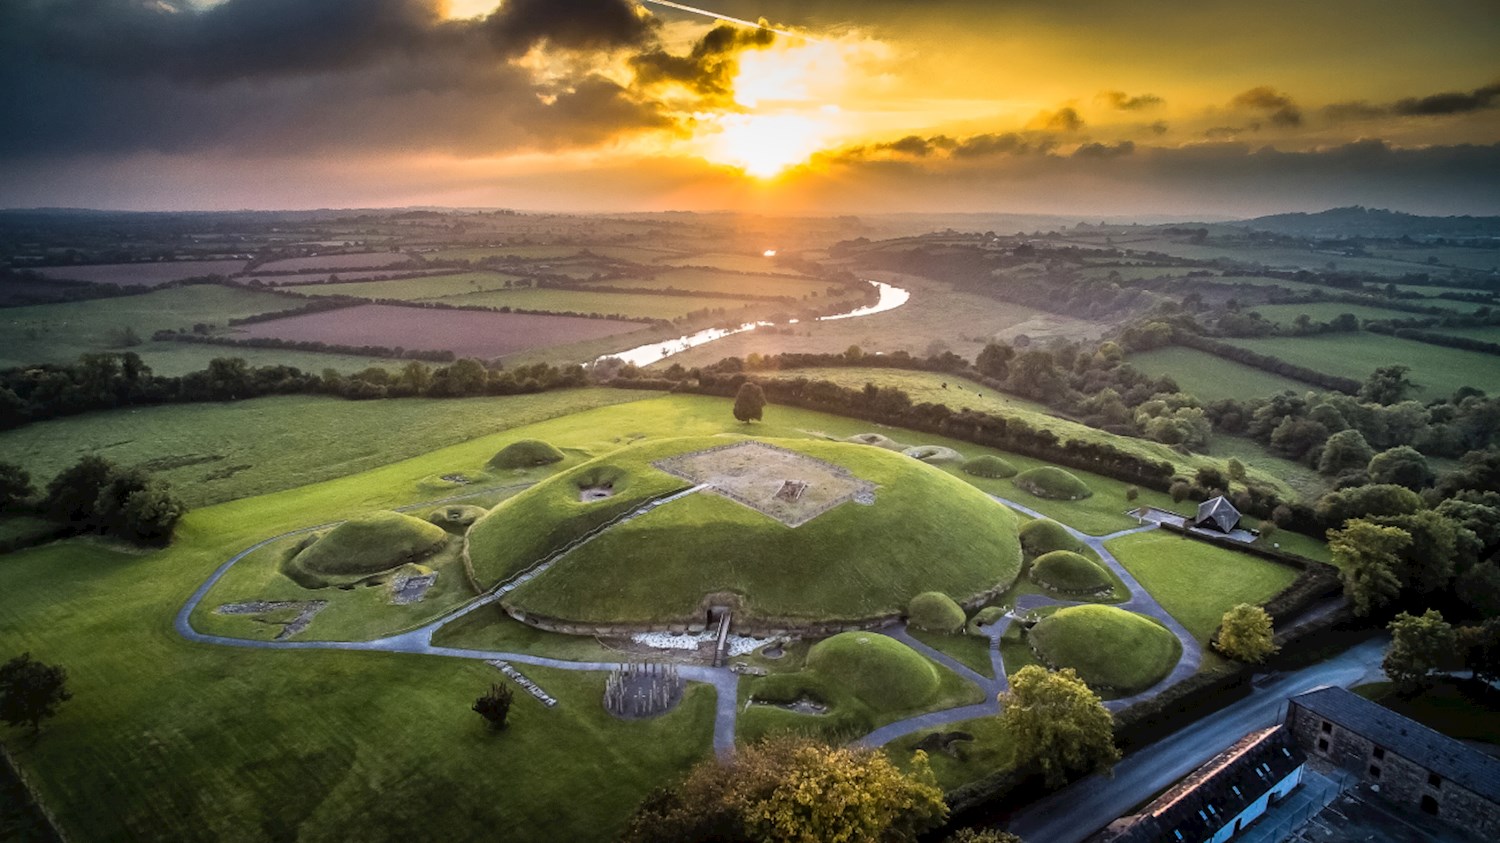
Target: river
(644, 355)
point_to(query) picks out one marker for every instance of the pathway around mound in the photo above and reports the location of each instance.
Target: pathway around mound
(725, 682)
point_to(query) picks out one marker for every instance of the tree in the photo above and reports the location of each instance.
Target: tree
(1245, 634)
(994, 360)
(494, 706)
(1344, 451)
(1369, 555)
(31, 691)
(1236, 470)
(1387, 385)
(794, 789)
(1480, 646)
(749, 402)
(986, 835)
(151, 514)
(1428, 561)
(1421, 645)
(72, 494)
(15, 484)
(1403, 466)
(1334, 508)
(1057, 722)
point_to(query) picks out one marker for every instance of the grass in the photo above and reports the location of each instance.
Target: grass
(972, 651)
(729, 262)
(850, 562)
(428, 287)
(1212, 378)
(991, 751)
(1053, 483)
(1042, 536)
(526, 453)
(714, 281)
(58, 333)
(1066, 571)
(1437, 371)
(370, 544)
(217, 452)
(607, 302)
(1445, 707)
(1175, 570)
(1110, 648)
(1286, 314)
(992, 467)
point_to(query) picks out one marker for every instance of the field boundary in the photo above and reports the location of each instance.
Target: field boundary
(34, 803)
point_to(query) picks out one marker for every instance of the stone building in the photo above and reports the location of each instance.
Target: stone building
(1405, 762)
(1221, 798)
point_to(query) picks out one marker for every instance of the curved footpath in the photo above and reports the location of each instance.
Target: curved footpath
(725, 682)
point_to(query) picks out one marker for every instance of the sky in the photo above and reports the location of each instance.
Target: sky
(1077, 107)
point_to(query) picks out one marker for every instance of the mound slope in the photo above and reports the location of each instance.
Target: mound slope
(1051, 482)
(367, 545)
(1069, 572)
(921, 530)
(1110, 648)
(878, 670)
(1043, 536)
(525, 454)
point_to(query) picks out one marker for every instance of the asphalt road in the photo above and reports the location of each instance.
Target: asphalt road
(1077, 811)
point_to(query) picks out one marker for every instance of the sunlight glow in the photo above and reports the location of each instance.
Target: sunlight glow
(765, 144)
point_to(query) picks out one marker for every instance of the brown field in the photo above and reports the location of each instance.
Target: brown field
(323, 275)
(361, 260)
(465, 333)
(141, 274)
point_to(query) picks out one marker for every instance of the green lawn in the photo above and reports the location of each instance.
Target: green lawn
(990, 751)
(971, 651)
(1197, 582)
(215, 452)
(1211, 378)
(1438, 371)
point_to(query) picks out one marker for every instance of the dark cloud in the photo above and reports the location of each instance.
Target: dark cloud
(1160, 127)
(1125, 102)
(1435, 105)
(1062, 120)
(1278, 106)
(1104, 150)
(1354, 110)
(519, 25)
(1008, 143)
(709, 67)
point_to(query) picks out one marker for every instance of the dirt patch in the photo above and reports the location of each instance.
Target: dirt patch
(305, 611)
(466, 333)
(791, 487)
(406, 590)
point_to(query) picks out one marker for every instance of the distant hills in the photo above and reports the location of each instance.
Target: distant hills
(1356, 221)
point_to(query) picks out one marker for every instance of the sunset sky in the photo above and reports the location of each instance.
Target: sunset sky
(1090, 107)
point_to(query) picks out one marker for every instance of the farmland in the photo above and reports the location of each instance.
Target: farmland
(143, 274)
(635, 306)
(359, 260)
(1210, 377)
(1436, 370)
(465, 333)
(712, 281)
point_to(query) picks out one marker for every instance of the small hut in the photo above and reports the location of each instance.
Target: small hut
(1217, 514)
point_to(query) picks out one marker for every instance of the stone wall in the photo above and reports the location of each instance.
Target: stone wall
(1403, 781)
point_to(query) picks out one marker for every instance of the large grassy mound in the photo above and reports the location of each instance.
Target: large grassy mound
(925, 531)
(1043, 536)
(367, 545)
(990, 466)
(1053, 483)
(880, 671)
(935, 612)
(1111, 648)
(1069, 572)
(525, 454)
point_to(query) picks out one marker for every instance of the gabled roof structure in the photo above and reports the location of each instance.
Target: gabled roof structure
(1217, 513)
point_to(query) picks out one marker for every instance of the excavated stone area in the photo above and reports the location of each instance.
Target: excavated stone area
(777, 482)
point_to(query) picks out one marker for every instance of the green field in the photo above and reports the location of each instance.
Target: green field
(428, 287)
(1210, 377)
(58, 333)
(632, 305)
(1488, 333)
(728, 262)
(1176, 570)
(1437, 371)
(217, 452)
(1286, 314)
(713, 281)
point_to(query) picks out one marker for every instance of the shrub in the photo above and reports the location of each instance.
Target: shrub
(989, 466)
(1054, 483)
(526, 453)
(935, 612)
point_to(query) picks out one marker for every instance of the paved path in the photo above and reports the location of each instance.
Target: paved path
(1078, 810)
(726, 683)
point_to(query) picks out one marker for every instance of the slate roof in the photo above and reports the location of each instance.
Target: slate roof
(1219, 513)
(1436, 752)
(1214, 794)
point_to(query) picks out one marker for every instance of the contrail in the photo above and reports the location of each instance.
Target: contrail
(741, 21)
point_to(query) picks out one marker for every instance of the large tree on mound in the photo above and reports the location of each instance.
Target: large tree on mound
(1057, 722)
(1245, 634)
(794, 789)
(1421, 647)
(31, 691)
(749, 402)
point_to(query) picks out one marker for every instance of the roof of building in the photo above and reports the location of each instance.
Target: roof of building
(1452, 759)
(1218, 512)
(1211, 796)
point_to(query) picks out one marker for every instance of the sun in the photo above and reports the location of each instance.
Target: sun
(765, 145)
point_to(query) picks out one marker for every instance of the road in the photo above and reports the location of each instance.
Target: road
(1077, 811)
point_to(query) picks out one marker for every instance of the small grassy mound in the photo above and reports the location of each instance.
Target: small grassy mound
(1069, 572)
(881, 672)
(526, 453)
(364, 546)
(935, 611)
(1112, 649)
(456, 518)
(1051, 482)
(1043, 536)
(933, 453)
(990, 466)
(876, 440)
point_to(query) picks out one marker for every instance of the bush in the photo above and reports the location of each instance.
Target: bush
(526, 453)
(989, 466)
(1053, 483)
(1044, 536)
(1069, 572)
(935, 612)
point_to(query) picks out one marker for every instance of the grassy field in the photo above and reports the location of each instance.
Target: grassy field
(1286, 314)
(428, 287)
(217, 452)
(1438, 371)
(729, 262)
(58, 333)
(1210, 377)
(633, 305)
(713, 281)
(1175, 570)
(1490, 333)
(961, 393)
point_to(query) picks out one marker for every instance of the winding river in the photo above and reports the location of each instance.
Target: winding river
(644, 355)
